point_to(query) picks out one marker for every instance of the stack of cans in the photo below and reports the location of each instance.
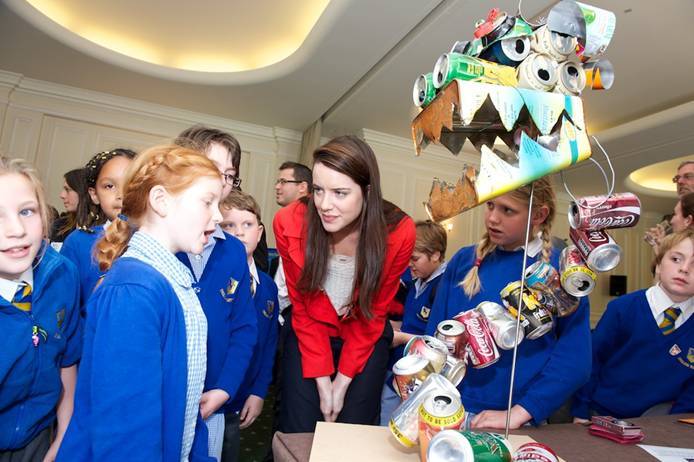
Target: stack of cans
(440, 411)
(590, 216)
(545, 283)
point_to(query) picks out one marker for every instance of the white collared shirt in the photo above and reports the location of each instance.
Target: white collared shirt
(8, 288)
(659, 301)
(534, 246)
(420, 286)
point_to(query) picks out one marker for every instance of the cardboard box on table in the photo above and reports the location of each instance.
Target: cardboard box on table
(335, 442)
(481, 113)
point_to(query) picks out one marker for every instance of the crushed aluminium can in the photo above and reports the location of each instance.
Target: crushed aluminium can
(621, 210)
(598, 249)
(535, 318)
(509, 52)
(481, 348)
(538, 72)
(428, 347)
(544, 281)
(467, 446)
(452, 333)
(502, 325)
(576, 278)
(424, 91)
(404, 423)
(440, 411)
(537, 452)
(409, 373)
(454, 370)
(452, 66)
(571, 79)
(556, 45)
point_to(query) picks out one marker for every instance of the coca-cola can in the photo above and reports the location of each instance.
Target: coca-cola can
(428, 347)
(536, 452)
(545, 283)
(576, 278)
(535, 318)
(481, 347)
(502, 325)
(621, 210)
(452, 333)
(598, 249)
(454, 369)
(410, 371)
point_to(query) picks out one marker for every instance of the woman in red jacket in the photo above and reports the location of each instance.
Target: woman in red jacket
(343, 251)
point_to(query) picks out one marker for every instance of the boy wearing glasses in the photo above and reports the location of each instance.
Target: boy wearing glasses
(223, 286)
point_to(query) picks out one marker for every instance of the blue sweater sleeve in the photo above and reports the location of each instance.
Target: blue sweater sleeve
(605, 338)
(264, 377)
(126, 375)
(242, 336)
(567, 368)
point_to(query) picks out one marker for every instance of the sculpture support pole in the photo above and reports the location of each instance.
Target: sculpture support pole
(520, 308)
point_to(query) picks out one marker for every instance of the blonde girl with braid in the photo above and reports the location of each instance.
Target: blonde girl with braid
(550, 368)
(143, 368)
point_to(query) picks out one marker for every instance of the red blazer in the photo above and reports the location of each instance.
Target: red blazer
(314, 318)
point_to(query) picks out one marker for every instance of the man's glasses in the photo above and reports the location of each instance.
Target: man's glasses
(284, 181)
(686, 176)
(232, 180)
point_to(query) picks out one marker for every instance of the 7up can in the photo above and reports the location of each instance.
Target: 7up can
(452, 66)
(465, 446)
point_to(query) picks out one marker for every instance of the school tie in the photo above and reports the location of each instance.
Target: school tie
(22, 298)
(667, 326)
(253, 287)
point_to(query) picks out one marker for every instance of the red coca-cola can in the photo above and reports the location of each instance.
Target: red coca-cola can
(537, 452)
(621, 210)
(480, 342)
(598, 249)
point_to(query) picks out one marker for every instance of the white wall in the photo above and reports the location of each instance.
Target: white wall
(60, 128)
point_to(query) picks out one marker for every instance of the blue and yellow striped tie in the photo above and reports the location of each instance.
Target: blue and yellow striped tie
(22, 298)
(667, 326)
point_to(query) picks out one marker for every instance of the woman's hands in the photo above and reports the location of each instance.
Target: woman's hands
(332, 395)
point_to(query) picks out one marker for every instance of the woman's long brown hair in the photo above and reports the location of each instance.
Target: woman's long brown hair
(352, 157)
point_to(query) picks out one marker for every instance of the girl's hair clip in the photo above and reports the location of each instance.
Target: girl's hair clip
(122, 217)
(478, 262)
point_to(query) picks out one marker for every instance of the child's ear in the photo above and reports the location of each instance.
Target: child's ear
(159, 200)
(260, 234)
(688, 221)
(436, 256)
(539, 215)
(93, 196)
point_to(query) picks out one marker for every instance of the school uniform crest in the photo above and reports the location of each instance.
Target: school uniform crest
(675, 350)
(424, 313)
(269, 309)
(690, 355)
(228, 293)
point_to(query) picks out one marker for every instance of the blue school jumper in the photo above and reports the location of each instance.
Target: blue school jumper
(30, 384)
(224, 291)
(635, 366)
(78, 247)
(550, 368)
(259, 374)
(133, 370)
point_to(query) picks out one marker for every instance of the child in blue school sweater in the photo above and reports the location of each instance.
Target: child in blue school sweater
(551, 367)
(104, 175)
(39, 319)
(242, 219)
(643, 346)
(222, 283)
(144, 361)
(419, 284)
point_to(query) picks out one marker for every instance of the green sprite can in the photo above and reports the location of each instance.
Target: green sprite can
(424, 91)
(452, 66)
(466, 446)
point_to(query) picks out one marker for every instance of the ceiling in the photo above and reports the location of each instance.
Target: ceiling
(356, 66)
